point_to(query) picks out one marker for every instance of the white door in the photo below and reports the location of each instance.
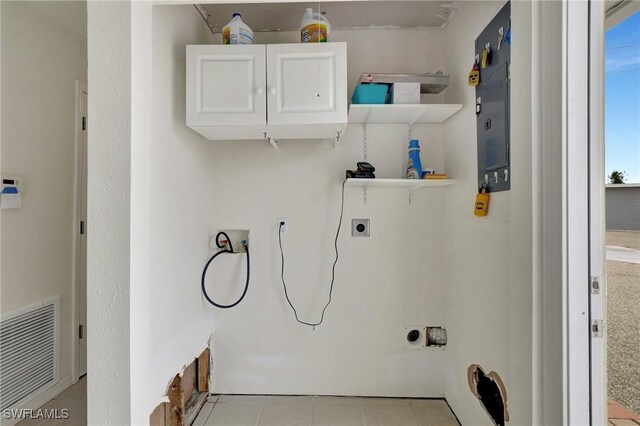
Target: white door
(307, 83)
(226, 85)
(82, 239)
(584, 189)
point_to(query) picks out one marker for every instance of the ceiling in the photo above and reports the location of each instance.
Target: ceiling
(617, 11)
(341, 15)
(611, 5)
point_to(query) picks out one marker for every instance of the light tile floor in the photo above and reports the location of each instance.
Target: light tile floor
(232, 410)
(73, 399)
(236, 410)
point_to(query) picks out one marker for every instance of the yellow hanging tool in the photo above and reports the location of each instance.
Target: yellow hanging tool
(474, 75)
(482, 202)
(486, 57)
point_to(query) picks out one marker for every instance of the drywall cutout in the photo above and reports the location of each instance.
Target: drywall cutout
(186, 394)
(491, 393)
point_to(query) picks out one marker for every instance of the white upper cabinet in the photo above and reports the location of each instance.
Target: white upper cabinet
(281, 91)
(307, 83)
(226, 86)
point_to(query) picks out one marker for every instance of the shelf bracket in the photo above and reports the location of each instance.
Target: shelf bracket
(271, 141)
(416, 118)
(364, 143)
(366, 117)
(413, 189)
(364, 156)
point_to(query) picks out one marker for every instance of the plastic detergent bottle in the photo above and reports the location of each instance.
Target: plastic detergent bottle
(414, 165)
(237, 32)
(314, 28)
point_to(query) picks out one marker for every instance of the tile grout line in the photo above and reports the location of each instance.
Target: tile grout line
(313, 403)
(264, 401)
(212, 408)
(415, 418)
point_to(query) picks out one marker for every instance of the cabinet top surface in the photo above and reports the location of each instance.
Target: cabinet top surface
(245, 46)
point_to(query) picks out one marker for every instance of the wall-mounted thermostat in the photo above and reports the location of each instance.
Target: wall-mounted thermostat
(11, 192)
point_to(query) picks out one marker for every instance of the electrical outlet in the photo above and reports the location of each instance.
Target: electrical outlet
(359, 227)
(284, 229)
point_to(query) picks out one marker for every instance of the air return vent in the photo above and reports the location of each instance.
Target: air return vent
(27, 351)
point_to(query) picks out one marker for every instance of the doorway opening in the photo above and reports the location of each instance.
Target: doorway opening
(622, 200)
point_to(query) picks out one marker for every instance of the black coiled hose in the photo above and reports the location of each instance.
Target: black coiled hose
(228, 248)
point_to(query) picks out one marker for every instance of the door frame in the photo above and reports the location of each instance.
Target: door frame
(597, 222)
(80, 88)
(584, 220)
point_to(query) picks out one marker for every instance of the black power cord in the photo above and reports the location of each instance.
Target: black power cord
(227, 248)
(333, 269)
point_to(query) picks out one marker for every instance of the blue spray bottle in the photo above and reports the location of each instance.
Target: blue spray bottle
(414, 166)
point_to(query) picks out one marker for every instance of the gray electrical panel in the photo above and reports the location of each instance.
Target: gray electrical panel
(492, 103)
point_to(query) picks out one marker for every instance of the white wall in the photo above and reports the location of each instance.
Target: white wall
(109, 212)
(383, 283)
(168, 329)
(489, 300)
(41, 59)
(409, 272)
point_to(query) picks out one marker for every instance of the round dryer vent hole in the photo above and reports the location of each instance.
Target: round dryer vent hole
(413, 336)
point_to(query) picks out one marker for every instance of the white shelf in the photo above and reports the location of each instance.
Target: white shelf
(411, 184)
(402, 114)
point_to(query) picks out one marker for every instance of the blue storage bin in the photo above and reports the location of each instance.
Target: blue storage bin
(370, 94)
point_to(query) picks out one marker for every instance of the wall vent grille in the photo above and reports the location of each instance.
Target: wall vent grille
(27, 352)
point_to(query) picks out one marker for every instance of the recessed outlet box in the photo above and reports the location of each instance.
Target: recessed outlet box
(236, 236)
(359, 227)
(284, 229)
(414, 337)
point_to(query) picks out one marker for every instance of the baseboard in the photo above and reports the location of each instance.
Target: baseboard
(38, 399)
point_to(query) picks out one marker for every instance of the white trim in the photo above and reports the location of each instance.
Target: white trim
(622, 185)
(576, 176)
(548, 108)
(537, 49)
(39, 398)
(80, 88)
(597, 211)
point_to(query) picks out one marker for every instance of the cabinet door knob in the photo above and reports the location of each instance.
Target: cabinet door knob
(272, 90)
(259, 91)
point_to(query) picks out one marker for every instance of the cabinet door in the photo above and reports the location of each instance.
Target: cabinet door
(307, 83)
(226, 85)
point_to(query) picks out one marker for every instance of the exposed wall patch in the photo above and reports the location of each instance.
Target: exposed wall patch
(490, 391)
(185, 395)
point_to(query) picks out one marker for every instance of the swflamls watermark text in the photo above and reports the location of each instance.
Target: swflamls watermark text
(40, 413)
